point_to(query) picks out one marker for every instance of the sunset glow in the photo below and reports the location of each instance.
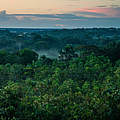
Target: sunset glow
(52, 6)
(58, 12)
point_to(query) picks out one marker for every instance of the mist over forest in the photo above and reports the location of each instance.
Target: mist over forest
(49, 41)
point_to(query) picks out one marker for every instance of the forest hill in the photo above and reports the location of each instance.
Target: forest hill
(83, 83)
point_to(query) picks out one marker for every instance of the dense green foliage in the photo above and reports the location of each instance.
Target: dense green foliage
(83, 84)
(13, 40)
(25, 56)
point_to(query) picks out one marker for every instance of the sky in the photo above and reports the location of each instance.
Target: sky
(60, 13)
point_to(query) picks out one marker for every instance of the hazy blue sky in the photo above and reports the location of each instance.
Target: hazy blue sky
(60, 13)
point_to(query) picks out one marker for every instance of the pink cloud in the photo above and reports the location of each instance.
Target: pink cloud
(59, 25)
(19, 17)
(109, 12)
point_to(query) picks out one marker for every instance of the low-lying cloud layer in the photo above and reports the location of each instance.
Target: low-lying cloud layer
(101, 16)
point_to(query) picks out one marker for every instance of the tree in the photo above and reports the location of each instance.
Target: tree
(112, 51)
(27, 56)
(67, 53)
(3, 57)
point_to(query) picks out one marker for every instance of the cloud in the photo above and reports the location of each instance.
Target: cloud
(102, 6)
(3, 12)
(115, 6)
(92, 14)
(105, 12)
(97, 17)
(60, 25)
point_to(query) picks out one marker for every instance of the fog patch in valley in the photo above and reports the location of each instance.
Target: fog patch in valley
(51, 53)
